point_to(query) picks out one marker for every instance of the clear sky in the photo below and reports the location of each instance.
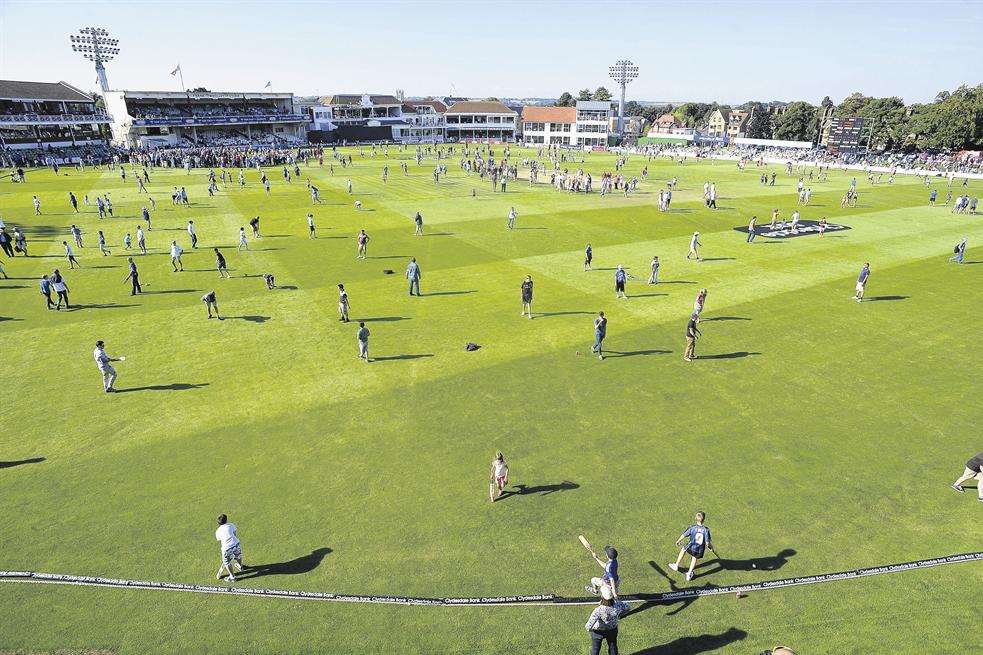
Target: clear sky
(726, 51)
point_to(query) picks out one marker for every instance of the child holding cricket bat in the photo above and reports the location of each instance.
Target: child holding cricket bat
(609, 579)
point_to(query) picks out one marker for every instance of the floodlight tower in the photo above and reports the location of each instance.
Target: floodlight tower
(96, 45)
(623, 72)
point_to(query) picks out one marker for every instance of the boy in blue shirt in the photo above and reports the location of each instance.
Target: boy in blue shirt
(699, 540)
(610, 577)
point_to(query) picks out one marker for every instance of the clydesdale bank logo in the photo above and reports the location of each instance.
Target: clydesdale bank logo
(784, 229)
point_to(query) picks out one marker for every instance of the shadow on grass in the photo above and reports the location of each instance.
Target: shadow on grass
(693, 645)
(772, 563)
(734, 355)
(631, 353)
(19, 462)
(725, 318)
(252, 318)
(391, 358)
(164, 291)
(449, 293)
(174, 386)
(297, 566)
(548, 314)
(9, 318)
(648, 295)
(110, 305)
(718, 259)
(541, 489)
(382, 319)
(878, 298)
(15, 286)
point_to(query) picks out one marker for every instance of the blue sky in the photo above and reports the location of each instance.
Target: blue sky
(728, 51)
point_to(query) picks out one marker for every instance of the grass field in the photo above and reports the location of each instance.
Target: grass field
(811, 423)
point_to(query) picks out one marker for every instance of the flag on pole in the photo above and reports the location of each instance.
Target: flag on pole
(269, 85)
(176, 70)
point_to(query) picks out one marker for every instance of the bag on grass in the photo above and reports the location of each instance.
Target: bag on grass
(471, 346)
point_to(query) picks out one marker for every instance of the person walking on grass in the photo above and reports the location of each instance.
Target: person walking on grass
(525, 293)
(227, 535)
(192, 234)
(588, 257)
(413, 274)
(699, 540)
(223, 269)
(361, 245)
(141, 240)
(603, 625)
(176, 256)
(342, 304)
(418, 220)
(363, 341)
(243, 244)
(70, 254)
(862, 282)
(101, 239)
(499, 477)
(654, 276)
(960, 251)
(620, 277)
(76, 235)
(104, 362)
(694, 246)
(701, 299)
(211, 303)
(974, 469)
(133, 275)
(61, 289)
(751, 227)
(692, 333)
(511, 222)
(600, 332)
(44, 286)
(311, 230)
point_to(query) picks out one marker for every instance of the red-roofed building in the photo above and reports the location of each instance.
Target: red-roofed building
(583, 125)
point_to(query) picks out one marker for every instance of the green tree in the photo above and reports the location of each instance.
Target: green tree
(632, 108)
(693, 114)
(954, 121)
(565, 100)
(759, 125)
(797, 123)
(602, 94)
(584, 94)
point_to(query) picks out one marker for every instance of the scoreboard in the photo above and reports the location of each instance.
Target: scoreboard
(844, 135)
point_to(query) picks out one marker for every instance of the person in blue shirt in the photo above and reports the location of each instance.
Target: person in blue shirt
(45, 287)
(932, 197)
(620, 277)
(862, 282)
(413, 275)
(588, 256)
(960, 251)
(610, 578)
(600, 331)
(699, 540)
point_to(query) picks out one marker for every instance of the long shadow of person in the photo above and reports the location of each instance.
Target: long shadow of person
(303, 564)
(698, 644)
(542, 489)
(652, 600)
(754, 563)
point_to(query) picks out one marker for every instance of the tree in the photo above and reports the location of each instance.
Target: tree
(565, 100)
(797, 123)
(759, 125)
(584, 94)
(952, 122)
(693, 114)
(602, 94)
(632, 108)
(200, 89)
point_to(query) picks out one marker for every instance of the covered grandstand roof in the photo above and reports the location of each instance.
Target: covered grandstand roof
(549, 114)
(479, 107)
(356, 99)
(437, 105)
(57, 91)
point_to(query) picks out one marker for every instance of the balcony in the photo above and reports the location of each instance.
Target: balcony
(203, 121)
(62, 119)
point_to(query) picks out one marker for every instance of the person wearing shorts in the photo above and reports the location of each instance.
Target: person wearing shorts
(862, 282)
(211, 303)
(610, 578)
(699, 540)
(588, 256)
(974, 469)
(342, 303)
(620, 277)
(499, 477)
(227, 535)
(526, 293)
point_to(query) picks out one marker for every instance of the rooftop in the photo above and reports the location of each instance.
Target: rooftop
(57, 91)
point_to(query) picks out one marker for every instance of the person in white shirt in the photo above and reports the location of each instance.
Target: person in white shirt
(499, 477)
(243, 244)
(795, 222)
(694, 245)
(176, 256)
(191, 233)
(141, 240)
(105, 367)
(311, 230)
(227, 536)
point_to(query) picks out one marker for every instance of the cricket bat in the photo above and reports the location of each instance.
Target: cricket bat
(587, 545)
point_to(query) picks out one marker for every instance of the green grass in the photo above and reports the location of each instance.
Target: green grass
(836, 436)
